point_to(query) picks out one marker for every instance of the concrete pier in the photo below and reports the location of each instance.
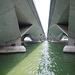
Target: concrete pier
(69, 49)
(12, 49)
(71, 45)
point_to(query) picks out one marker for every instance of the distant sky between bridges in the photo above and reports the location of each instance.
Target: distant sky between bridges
(42, 7)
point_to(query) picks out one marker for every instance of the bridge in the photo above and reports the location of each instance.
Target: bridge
(19, 19)
(62, 22)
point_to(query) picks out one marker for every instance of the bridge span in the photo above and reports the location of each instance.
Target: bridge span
(18, 18)
(62, 22)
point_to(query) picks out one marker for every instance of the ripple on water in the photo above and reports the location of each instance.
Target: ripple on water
(55, 62)
(46, 58)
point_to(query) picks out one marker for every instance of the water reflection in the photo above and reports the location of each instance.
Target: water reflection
(55, 62)
(44, 59)
(21, 63)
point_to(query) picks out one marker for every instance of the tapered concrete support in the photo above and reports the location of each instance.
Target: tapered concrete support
(71, 46)
(69, 49)
(12, 49)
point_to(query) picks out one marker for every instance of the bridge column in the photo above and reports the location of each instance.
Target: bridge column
(71, 46)
(9, 28)
(71, 29)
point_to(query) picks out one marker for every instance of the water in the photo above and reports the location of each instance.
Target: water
(40, 59)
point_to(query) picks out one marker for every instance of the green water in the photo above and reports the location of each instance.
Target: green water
(40, 59)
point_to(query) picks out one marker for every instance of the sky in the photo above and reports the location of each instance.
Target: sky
(42, 7)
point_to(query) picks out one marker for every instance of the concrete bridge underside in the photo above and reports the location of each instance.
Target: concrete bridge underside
(62, 22)
(17, 19)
